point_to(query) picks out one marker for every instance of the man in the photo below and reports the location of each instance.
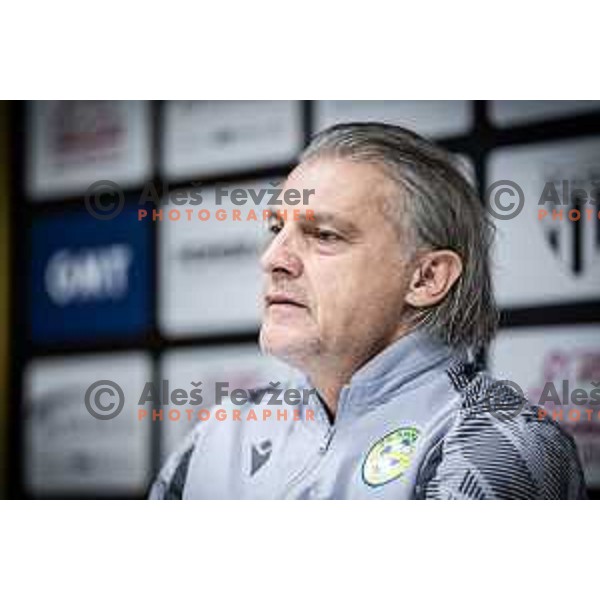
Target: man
(383, 300)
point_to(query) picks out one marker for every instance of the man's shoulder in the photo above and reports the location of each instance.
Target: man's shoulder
(268, 407)
(170, 481)
(500, 446)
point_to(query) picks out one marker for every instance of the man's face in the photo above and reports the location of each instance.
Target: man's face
(334, 286)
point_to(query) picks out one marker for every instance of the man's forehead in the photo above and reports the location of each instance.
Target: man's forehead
(340, 185)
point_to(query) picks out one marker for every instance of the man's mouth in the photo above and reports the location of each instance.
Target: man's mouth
(282, 299)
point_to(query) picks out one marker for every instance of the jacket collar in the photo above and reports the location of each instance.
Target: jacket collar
(380, 379)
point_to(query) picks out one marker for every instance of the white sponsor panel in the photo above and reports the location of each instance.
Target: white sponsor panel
(210, 277)
(427, 117)
(70, 451)
(208, 137)
(518, 112)
(73, 144)
(551, 258)
(558, 368)
(212, 372)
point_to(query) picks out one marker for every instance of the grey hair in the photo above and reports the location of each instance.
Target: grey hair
(438, 208)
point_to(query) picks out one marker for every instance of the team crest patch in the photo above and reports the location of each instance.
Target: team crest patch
(389, 458)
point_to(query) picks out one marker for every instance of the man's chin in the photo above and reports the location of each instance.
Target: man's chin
(286, 343)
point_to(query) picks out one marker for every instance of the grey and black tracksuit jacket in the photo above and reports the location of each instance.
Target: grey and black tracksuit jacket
(417, 421)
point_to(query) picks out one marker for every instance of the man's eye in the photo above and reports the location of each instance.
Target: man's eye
(324, 235)
(275, 227)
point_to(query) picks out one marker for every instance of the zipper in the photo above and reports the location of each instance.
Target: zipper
(313, 464)
(321, 454)
(324, 445)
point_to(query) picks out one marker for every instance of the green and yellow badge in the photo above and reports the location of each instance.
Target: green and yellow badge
(390, 456)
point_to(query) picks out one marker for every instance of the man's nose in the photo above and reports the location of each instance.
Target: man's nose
(280, 255)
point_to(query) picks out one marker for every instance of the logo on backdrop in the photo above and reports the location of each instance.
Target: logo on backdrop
(573, 239)
(80, 129)
(87, 281)
(88, 274)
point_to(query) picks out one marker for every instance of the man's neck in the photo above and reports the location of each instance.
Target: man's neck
(329, 376)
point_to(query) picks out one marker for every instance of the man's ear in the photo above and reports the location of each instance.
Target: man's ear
(434, 275)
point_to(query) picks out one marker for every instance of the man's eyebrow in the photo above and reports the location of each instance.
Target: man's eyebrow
(325, 218)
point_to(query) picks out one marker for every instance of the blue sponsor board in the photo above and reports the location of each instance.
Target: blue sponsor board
(89, 278)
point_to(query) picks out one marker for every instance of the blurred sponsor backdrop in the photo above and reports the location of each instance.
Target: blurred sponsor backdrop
(86, 298)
